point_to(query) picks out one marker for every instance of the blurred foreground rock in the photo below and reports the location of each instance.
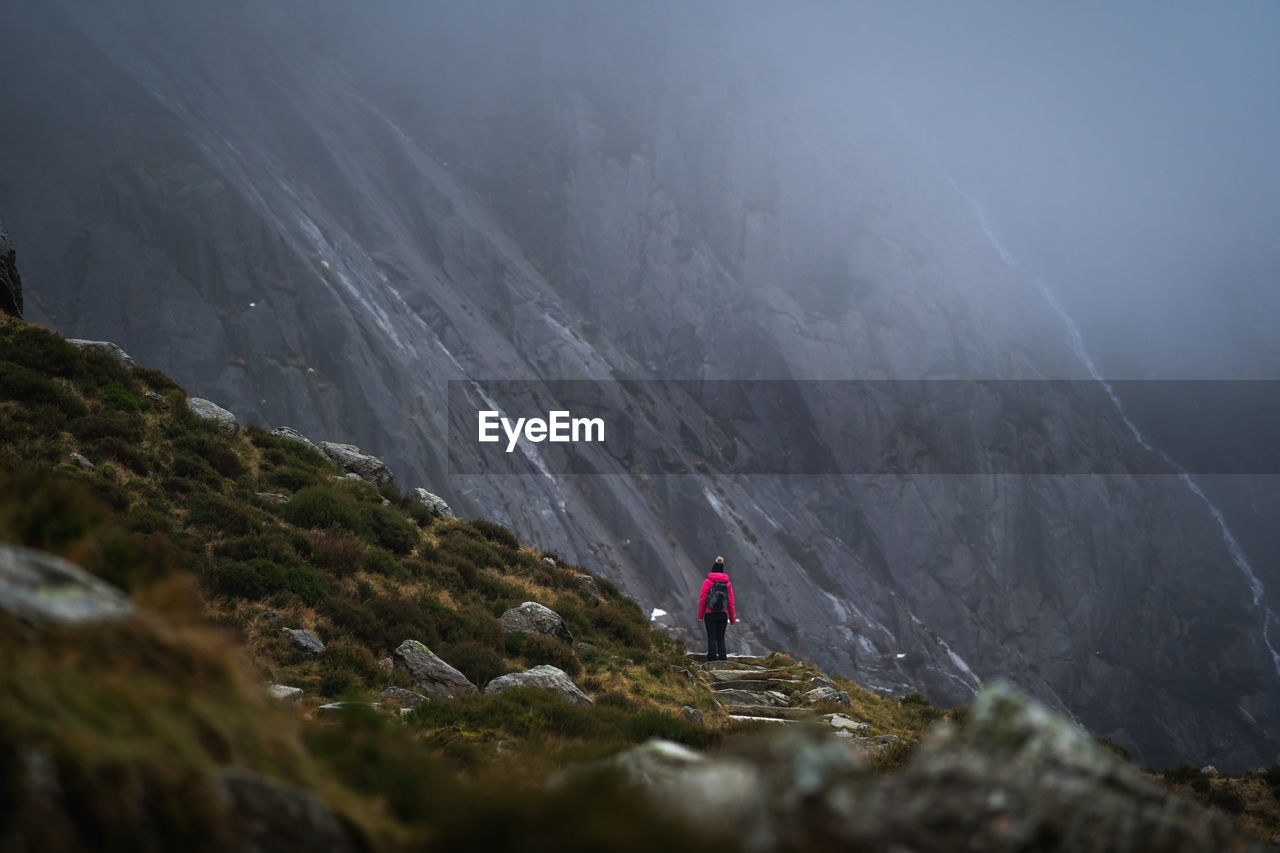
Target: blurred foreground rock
(1015, 776)
(41, 588)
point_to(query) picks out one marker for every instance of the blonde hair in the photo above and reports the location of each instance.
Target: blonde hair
(719, 561)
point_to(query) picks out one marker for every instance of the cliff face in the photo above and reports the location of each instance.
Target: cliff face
(10, 281)
(313, 231)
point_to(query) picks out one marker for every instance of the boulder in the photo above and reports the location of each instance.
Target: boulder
(534, 618)
(305, 640)
(589, 584)
(434, 503)
(403, 698)
(291, 434)
(429, 673)
(842, 723)
(691, 714)
(822, 681)
(215, 414)
(544, 677)
(157, 400)
(81, 461)
(109, 348)
(268, 815)
(354, 461)
(43, 589)
(272, 497)
(10, 281)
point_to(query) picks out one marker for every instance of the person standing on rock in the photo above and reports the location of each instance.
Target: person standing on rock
(715, 609)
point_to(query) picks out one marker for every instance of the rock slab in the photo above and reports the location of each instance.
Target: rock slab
(43, 589)
(544, 677)
(534, 618)
(429, 673)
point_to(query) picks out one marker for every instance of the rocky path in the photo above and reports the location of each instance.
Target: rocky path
(751, 689)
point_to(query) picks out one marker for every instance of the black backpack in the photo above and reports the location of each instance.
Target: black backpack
(718, 597)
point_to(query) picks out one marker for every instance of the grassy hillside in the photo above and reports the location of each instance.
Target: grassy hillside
(134, 721)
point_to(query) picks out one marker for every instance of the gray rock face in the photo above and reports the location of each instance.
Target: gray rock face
(210, 411)
(10, 281)
(108, 347)
(534, 618)
(544, 677)
(1015, 777)
(354, 461)
(305, 640)
(43, 589)
(434, 503)
(631, 228)
(291, 434)
(403, 698)
(429, 673)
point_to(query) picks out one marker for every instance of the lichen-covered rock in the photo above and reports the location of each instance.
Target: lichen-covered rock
(10, 281)
(355, 461)
(534, 618)
(305, 640)
(108, 347)
(429, 673)
(291, 434)
(215, 414)
(403, 698)
(43, 589)
(544, 677)
(434, 503)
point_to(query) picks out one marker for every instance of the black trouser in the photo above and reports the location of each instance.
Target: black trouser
(715, 624)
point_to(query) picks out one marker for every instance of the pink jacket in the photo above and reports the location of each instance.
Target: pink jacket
(712, 577)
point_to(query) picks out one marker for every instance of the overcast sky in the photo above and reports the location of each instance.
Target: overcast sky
(1129, 152)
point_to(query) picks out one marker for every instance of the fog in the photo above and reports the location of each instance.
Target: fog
(1125, 153)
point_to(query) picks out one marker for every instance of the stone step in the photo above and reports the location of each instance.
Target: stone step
(757, 684)
(717, 675)
(749, 718)
(791, 714)
(751, 698)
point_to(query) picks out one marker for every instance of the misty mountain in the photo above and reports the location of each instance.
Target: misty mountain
(319, 214)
